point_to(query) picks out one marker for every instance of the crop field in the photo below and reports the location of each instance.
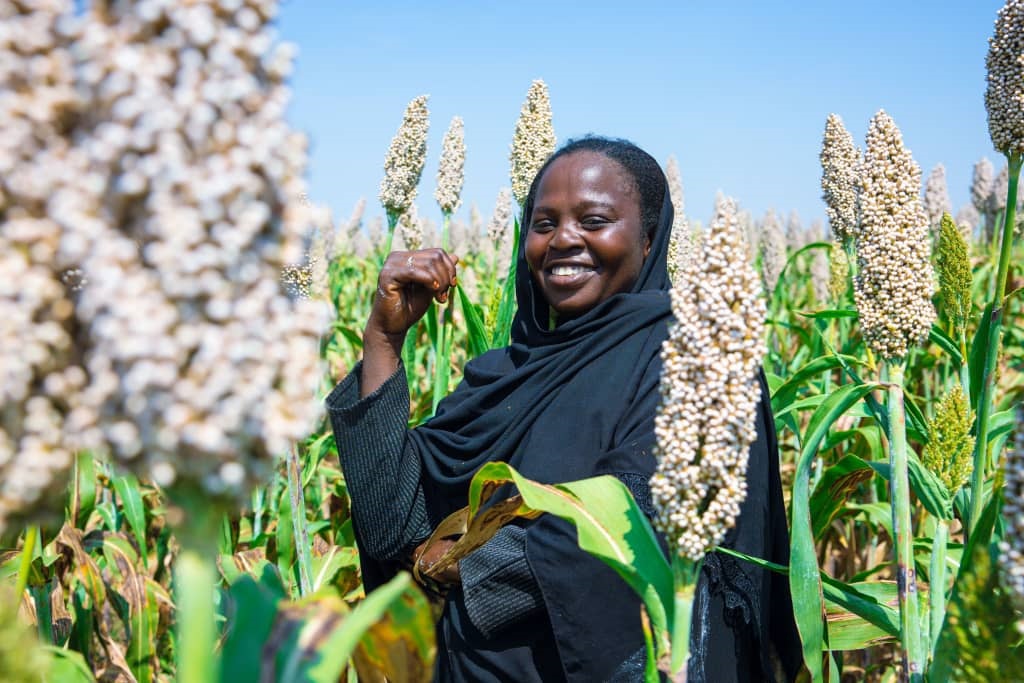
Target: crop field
(174, 309)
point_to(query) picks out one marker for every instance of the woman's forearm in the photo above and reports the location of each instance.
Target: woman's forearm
(382, 354)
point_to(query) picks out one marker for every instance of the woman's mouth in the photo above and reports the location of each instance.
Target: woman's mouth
(569, 275)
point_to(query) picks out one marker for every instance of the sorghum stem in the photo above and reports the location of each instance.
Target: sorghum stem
(986, 395)
(906, 579)
(392, 222)
(685, 573)
(194, 584)
(937, 579)
(27, 551)
(297, 500)
(444, 229)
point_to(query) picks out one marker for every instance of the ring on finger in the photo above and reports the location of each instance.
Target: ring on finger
(408, 261)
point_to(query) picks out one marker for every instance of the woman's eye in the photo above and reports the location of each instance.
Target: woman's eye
(542, 226)
(594, 221)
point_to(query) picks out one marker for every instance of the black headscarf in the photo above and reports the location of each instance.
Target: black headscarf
(505, 392)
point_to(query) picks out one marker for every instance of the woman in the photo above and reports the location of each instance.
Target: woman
(572, 397)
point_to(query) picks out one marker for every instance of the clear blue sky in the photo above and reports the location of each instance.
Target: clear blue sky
(738, 91)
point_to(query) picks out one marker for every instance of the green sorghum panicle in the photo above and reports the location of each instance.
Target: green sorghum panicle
(839, 271)
(705, 421)
(894, 282)
(1004, 97)
(936, 196)
(680, 242)
(533, 141)
(180, 207)
(1012, 546)
(772, 246)
(955, 275)
(840, 161)
(450, 172)
(950, 447)
(403, 164)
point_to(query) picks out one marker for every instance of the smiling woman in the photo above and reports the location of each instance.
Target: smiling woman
(573, 396)
(585, 240)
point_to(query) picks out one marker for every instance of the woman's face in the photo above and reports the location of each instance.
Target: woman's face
(585, 240)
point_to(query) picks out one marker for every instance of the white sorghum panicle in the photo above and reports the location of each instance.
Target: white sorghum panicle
(411, 228)
(706, 419)
(840, 161)
(967, 220)
(40, 372)
(355, 221)
(498, 226)
(178, 197)
(1000, 186)
(680, 241)
(375, 233)
(450, 168)
(403, 164)
(1012, 546)
(772, 245)
(796, 236)
(322, 246)
(981, 184)
(534, 140)
(1004, 97)
(936, 196)
(894, 283)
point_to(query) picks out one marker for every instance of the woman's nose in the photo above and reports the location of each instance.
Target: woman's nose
(566, 236)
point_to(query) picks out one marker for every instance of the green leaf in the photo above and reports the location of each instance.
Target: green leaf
(475, 332)
(786, 393)
(830, 314)
(67, 666)
(507, 307)
(285, 538)
(401, 643)
(976, 356)
(83, 491)
(804, 577)
(315, 637)
(127, 488)
(946, 343)
(609, 525)
(253, 607)
(837, 483)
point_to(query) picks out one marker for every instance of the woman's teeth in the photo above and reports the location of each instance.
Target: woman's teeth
(569, 270)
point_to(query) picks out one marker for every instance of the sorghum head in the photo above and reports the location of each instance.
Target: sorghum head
(981, 184)
(1012, 546)
(950, 448)
(894, 283)
(705, 421)
(680, 242)
(403, 164)
(772, 247)
(839, 167)
(450, 168)
(1004, 97)
(533, 141)
(936, 196)
(955, 276)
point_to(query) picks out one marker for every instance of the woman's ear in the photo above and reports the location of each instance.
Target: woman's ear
(647, 246)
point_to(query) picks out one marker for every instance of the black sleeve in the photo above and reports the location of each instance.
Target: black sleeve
(382, 469)
(498, 586)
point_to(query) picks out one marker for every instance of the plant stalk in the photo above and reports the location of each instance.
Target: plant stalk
(445, 224)
(906, 580)
(25, 565)
(987, 394)
(937, 578)
(392, 222)
(297, 500)
(685, 574)
(195, 575)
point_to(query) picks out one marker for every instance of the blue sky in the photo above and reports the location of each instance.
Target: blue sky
(737, 91)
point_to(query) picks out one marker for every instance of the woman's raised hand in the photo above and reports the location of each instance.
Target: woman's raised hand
(406, 284)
